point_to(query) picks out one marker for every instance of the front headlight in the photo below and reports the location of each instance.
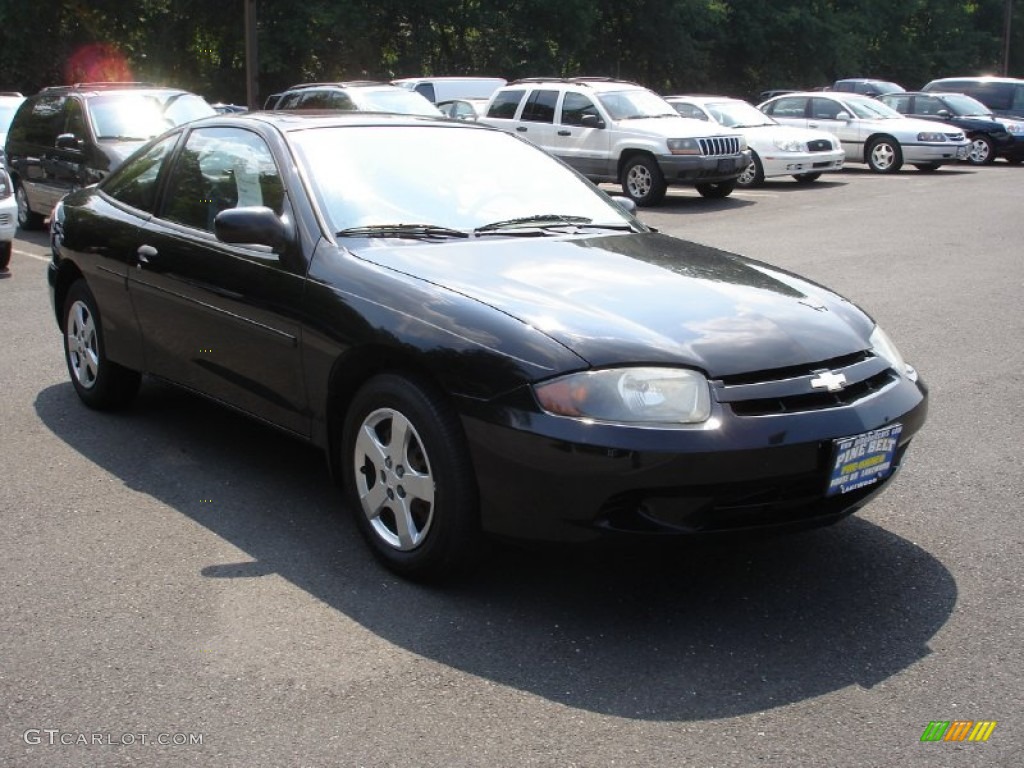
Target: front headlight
(683, 147)
(6, 187)
(882, 346)
(790, 145)
(743, 143)
(648, 396)
(931, 137)
(1015, 128)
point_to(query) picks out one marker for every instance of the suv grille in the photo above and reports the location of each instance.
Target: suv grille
(789, 390)
(719, 146)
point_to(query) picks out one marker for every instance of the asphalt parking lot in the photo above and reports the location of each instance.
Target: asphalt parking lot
(179, 588)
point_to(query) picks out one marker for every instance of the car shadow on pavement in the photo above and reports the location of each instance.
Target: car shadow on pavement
(688, 633)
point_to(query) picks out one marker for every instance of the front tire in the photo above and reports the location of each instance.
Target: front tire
(981, 151)
(643, 181)
(884, 155)
(807, 178)
(5, 254)
(753, 174)
(100, 383)
(409, 480)
(27, 219)
(717, 190)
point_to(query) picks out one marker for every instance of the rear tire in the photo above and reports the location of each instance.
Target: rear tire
(409, 480)
(99, 382)
(717, 190)
(27, 219)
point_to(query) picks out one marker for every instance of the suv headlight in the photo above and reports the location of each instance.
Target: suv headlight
(647, 396)
(882, 346)
(683, 147)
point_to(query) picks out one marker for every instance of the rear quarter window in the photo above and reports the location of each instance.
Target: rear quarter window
(505, 104)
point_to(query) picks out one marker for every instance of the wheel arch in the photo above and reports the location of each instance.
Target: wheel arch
(875, 137)
(67, 274)
(628, 154)
(349, 372)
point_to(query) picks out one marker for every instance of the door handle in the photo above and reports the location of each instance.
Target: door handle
(521, 128)
(145, 253)
(565, 133)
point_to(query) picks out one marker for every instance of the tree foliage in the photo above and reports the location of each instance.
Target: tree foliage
(725, 46)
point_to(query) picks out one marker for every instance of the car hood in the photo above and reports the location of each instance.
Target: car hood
(907, 128)
(671, 127)
(643, 298)
(767, 134)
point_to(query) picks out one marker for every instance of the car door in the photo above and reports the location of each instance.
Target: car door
(582, 138)
(219, 318)
(537, 120)
(826, 114)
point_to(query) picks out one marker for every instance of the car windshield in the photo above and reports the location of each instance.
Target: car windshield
(738, 114)
(445, 177)
(392, 100)
(635, 103)
(871, 109)
(141, 116)
(961, 104)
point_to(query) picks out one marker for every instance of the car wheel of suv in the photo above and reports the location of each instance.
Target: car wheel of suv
(100, 383)
(806, 178)
(5, 254)
(884, 155)
(980, 152)
(26, 218)
(753, 174)
(409, 478)
(716, 190)
(643, 181)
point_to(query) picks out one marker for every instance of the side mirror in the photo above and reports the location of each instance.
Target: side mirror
(944, 113)
(68, 141)
(625, 203)
(253, 225)
(842, 116)
(591, 121)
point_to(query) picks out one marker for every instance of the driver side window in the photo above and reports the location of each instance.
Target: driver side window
(221, 168)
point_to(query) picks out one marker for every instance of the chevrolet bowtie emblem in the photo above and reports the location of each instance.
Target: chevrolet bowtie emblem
(833, 382)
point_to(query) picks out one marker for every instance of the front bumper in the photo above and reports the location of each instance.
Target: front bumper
(1014, 150)
(691, 169)
(934, 153)
(546, 478)
(797, 163)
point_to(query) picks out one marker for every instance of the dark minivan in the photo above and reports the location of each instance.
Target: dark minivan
(1003, 95)
(71, 136)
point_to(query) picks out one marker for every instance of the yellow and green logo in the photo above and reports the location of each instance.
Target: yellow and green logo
(958, 730)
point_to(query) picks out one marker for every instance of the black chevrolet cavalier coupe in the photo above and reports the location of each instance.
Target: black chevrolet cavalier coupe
(483, 342)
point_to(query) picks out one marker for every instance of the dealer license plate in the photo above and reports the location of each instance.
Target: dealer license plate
(863, 459)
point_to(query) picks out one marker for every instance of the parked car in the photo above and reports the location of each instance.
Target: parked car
(616, 131)
(361, 96)
(463, 109)
(71, 136)
(990, 136)
(870, 131)
(9, 103)
(866, 85)
(228, 109)
(438, 89)
(775, 149)
(481, 340)
(1003, 95)
(8, 218)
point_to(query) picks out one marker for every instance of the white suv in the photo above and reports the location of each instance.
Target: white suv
(610, 130)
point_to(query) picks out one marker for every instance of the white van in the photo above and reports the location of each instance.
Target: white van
(437, 89)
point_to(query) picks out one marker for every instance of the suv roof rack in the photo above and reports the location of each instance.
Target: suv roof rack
(99, 85)
(340, 83)
(11, 93)
(575, 80)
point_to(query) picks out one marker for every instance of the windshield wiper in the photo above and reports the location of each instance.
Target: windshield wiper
(543, 218)
(544, 223)
(409, 231)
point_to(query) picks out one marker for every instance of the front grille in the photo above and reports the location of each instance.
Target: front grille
(789, 390)
(819, 145)
(719, 146)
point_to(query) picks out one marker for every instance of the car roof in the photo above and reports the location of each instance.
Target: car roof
(288, 120)
(978, 79)
(704, 99)
(595, 83)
